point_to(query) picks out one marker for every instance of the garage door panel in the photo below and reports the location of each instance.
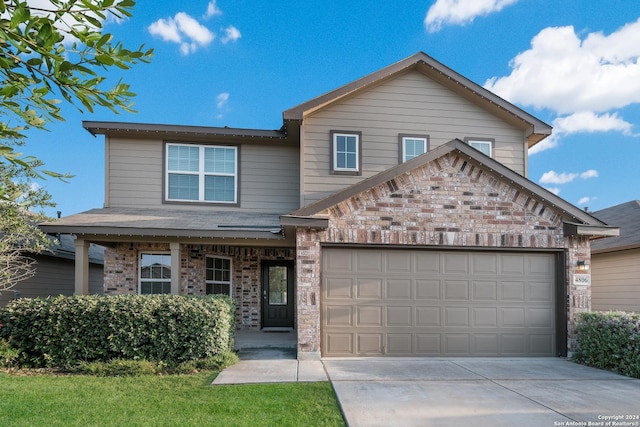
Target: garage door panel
(338, 315)
(485, 290)
(512, 290)
(369, 315)
(399, 289)
(418, 302)
(400, 316)
(369, 288)
(340, 344)
(484, 317)
(369, 344)
(399, 344)
(428, 289)
(457, 344)
(338, 288)
(456, 290)
(539, 291)
(428, 316)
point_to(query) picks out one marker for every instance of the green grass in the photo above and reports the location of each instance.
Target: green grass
(171, 400)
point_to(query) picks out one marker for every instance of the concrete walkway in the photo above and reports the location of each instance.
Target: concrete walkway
(269, 357)
(480, 392)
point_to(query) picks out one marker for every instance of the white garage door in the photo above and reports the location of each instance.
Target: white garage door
(398, 302)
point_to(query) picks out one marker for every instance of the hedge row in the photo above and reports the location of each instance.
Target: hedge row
(610, 341)
(62, 331)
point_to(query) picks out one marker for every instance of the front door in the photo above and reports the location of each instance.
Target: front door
(277, 294)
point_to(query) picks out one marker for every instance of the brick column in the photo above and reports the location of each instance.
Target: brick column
(579, 300)
(308, 294)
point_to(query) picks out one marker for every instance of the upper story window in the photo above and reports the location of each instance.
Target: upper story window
(412, 146)
(202, 173)
(484, 145)
(218, 275)
(155, 273)
(345, 152)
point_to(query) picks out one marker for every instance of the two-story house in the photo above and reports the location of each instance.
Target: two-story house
(391, 216)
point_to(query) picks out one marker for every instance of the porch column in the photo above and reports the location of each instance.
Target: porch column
(175, 268)
(81, 267)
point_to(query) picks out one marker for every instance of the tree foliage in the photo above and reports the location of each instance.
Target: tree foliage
(51, 52)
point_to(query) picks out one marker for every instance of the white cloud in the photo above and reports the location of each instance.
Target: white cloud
(552, 177)
(567, 74)
(231, 33)
(222, 99)
(583, 122)
(460, 12)
(585, 200)
(554, 190)
(190, 34)
(591, 173)
(212, 10)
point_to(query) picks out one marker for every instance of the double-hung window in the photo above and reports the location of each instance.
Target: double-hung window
(484, 145)
(155, 273)
(202, 173)
(218, 275)
(345, 152)
(412, 146)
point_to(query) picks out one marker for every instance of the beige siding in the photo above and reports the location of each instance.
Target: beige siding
(54, 276)
(615, 281)
(411, 103)
(268, 176)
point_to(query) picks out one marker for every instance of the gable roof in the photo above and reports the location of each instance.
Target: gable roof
(576, 220)
(536, 128)
(627, 217)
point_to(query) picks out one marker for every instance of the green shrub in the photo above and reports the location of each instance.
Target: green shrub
(63, 331)
(610, 341)
(9, 356)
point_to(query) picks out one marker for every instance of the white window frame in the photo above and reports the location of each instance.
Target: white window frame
(486, 142)
(334, 152)
(201, 174)
(403, 145)
(219, 282)
(151, 279)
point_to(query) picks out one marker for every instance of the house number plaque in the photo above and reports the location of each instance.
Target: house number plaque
(582, 279)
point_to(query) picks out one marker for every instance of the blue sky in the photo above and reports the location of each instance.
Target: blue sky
(574, 64)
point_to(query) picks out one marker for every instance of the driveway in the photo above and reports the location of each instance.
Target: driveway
(520, 392)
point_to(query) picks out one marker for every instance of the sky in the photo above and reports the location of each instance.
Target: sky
(573, 64)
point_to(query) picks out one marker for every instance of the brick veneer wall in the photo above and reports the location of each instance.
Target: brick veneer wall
(449, 202)
(121, 272)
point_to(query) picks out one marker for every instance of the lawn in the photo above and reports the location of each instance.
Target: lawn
(170, 400)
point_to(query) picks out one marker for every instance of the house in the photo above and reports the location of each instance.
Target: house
(55, 272)
(391, 216)
(615, 262)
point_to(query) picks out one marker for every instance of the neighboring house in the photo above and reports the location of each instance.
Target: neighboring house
(55, 272)
(615, 262)
(391, 216)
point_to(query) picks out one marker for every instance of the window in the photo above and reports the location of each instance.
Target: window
(485, 146)
(155, 273)
(412, 146)
(345, 152)
(201, 173)
(218, 275)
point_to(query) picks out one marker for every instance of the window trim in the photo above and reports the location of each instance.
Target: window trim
(201, 146)
(219, 282)
(490, 141)
(140, 279)
(401, 143)
(332, 153)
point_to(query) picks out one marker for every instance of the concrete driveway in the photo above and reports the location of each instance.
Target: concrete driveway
(481, 392)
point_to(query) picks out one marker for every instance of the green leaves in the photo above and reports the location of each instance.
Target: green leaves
(64, 331)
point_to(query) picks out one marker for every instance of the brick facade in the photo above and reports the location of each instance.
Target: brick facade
(121, 272)
(451, 202)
